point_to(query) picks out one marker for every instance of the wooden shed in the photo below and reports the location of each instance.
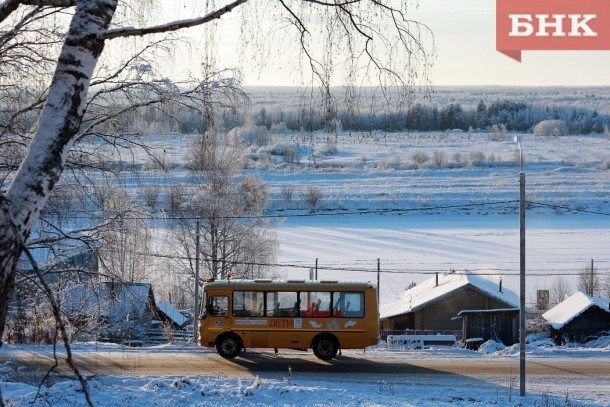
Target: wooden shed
(501, 325)
(434, 303)
(578, 318)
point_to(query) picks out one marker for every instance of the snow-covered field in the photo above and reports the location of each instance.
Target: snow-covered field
(412, 249)
(458, 209)
(294, 387)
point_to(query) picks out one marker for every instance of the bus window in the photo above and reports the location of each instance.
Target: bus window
(248, 303)
(315, 304)
(282, 304)
(203, 309)
(219, 306)
(348, 305)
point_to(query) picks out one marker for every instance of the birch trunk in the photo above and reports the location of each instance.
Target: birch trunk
(57, 128)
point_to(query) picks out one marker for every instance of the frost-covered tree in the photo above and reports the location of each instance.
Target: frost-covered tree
(378, 34)
(559, 291)
(228, 204)
(551, 128)
(589, 281)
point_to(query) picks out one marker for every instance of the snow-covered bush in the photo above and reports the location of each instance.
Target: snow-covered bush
(313, 195)
(549, 128)
(251, 134)
(288, 192)
(491, 346)
(439, 158)
(540, 339)
(290, 154)
(419, 157)
(278, 128)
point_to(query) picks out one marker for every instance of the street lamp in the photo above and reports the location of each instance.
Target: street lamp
(521, 272)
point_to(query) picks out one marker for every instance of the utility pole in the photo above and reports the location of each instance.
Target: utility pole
(378, 288)
(591, 289)
(521, 272)
(196, 312)
(316, 269)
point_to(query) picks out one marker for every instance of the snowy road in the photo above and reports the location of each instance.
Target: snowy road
(351, 363)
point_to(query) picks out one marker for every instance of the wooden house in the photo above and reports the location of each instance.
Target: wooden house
(435, 303)
(579, 318)
(112, 310)
(501, 325)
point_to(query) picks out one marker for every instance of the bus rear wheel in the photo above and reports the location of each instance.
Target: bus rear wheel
(228, 346)
(325, 347)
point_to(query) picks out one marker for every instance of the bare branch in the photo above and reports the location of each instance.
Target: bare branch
(174, 26)
(62, 328)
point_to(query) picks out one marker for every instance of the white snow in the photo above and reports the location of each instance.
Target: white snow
(572, 307)
(301, 388)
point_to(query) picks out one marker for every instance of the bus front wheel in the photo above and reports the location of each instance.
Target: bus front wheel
(325, 347)
(228, 346)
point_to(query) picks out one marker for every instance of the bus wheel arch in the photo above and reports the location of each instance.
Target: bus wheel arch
(229, 345)
(325, 346)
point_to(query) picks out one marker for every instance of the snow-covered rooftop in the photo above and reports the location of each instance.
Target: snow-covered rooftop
(572, 307)
(428, 292)
(171, 312)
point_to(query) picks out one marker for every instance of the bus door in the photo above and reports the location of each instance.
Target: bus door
(218, 314)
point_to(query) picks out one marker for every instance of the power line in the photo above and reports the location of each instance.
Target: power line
(567, 208)
(302, 215)
(482, 272)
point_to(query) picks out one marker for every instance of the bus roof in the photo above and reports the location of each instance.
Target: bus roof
(289, 285)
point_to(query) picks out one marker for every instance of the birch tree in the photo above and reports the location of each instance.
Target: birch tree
(374, 36)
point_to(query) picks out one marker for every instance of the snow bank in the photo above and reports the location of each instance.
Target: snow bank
(114, 391)
(491, 346)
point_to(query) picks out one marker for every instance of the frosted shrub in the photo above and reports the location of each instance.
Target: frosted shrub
(419, 157)
(253, 135)
(330, 148)
(289, 154)
(278, 128)
(395, 162)
(548, 128)
(499, 132)
(477, 158)
(151, 195)
(458, 158)
(288, 192)
(439, 158)
(174, 198)
(313, 195)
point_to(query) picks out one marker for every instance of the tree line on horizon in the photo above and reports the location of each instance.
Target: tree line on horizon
(510, 115)
(514, 116)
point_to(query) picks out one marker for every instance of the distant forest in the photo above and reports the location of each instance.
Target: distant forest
(514, 116)
(484, 109)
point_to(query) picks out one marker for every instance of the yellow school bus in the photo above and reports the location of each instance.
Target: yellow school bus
(325, 316)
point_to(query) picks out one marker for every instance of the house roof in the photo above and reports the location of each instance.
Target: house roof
(116, 300)
(572, 307)
(428, 292)
(172, 313)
